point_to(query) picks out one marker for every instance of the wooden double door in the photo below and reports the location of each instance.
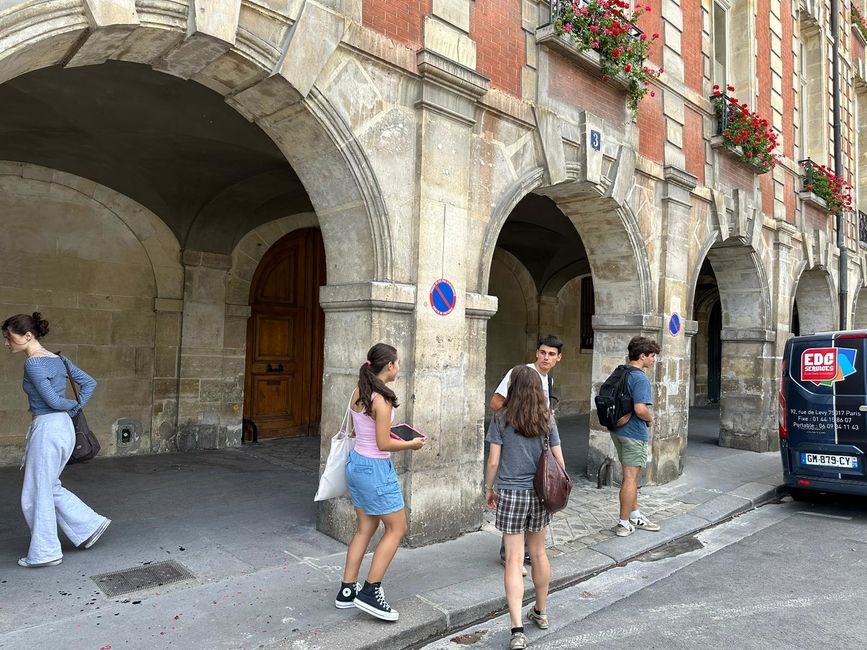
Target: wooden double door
(285, 336)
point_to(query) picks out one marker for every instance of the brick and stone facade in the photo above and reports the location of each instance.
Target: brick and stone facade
(425, 139)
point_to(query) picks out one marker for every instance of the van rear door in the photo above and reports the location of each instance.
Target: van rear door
(826, 406)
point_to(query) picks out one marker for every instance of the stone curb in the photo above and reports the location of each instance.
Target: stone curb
(437, 613)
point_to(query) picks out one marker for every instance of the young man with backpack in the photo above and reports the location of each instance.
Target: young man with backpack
(623, 406)
(549, 352)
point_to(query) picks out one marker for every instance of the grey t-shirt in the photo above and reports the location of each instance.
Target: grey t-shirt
(518, 454)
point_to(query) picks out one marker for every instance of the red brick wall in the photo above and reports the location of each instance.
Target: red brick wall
(857, 49)
(691, 45)
(693, 144)
(650, 23)
(651, 128)
(816, 218)
(496, 29)
(576, 87)
(402, 21)
(734, 173)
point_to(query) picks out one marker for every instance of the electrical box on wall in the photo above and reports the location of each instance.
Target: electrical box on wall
(128, 434)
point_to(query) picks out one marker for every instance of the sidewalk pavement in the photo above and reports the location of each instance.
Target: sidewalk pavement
(242, 522)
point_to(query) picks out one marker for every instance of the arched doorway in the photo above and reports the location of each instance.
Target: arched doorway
(285, 333)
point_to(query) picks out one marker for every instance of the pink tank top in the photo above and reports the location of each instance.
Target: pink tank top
(365, 434)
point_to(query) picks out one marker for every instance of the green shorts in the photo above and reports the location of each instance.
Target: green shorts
(631, 452)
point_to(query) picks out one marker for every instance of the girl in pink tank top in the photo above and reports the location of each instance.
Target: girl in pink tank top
(373, 483)
(365, 433)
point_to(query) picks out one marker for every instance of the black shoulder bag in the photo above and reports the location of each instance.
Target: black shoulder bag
(86, 444)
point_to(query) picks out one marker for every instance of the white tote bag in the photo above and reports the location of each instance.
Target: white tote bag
(332, 483)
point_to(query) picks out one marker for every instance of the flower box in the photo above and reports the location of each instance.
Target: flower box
(820, 182)
(602, 35)
(744, 133)
(589, 60)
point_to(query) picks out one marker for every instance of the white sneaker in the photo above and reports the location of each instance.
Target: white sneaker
(624, 531)
(644, 524)
(90, 541)
(38, 565)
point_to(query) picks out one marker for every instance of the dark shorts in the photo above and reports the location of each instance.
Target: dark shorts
(519, 511)
(373, 484)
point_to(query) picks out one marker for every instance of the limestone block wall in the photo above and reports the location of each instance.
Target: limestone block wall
(74, 250)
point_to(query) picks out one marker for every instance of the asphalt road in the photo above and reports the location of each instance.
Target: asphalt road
(789, 575)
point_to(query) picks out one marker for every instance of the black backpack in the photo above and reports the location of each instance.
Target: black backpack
(614, 400)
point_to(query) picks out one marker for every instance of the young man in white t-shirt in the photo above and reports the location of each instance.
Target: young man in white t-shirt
(548, 354)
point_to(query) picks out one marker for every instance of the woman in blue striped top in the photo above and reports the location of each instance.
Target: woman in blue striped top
(50, 440)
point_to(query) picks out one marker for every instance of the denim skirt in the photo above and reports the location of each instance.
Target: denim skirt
(373, 484)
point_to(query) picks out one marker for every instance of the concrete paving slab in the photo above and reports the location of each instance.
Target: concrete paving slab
(418, 621)
(757, 492)
(621, 549)
(720, 508)
(699, 496)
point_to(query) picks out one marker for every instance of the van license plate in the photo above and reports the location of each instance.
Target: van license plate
(830, 460)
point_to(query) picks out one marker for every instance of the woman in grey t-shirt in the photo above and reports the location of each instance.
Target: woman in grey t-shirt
(516, 436)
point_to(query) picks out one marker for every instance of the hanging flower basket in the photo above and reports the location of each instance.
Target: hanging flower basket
(607, 27)
(858, 22)
(747, 134)
(821, 181)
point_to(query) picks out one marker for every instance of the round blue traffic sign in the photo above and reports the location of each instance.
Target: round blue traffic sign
(674, 324)
(443, 297)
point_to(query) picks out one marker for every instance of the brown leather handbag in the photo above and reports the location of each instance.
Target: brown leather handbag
(551, 482)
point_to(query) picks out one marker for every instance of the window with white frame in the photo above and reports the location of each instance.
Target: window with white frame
(719, 29)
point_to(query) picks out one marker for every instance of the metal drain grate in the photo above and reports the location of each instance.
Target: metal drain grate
(144, 577)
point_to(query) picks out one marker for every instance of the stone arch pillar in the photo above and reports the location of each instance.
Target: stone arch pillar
(748, 347)
(859, 316)
(817, 301)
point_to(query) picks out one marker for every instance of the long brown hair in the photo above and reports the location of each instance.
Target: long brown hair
(379, 356)
(526, 410)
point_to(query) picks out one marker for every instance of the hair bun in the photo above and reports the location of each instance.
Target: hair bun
(40, 325)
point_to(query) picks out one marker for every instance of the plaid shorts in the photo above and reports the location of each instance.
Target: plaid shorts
(519, 511)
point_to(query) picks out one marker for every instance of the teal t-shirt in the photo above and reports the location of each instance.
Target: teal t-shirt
(642, 393)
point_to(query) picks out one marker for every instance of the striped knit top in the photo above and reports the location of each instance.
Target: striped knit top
(45, 384)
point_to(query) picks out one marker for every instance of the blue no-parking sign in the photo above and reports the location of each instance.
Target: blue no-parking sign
(443, 297)
(674, 324)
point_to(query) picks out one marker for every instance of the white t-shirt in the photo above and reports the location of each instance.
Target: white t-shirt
(503, 388)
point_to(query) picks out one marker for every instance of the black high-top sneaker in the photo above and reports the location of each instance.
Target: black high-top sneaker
(346, 595)
(371, 599)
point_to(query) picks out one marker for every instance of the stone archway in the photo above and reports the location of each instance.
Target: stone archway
(747, 340)
(266, 75)
(265, 65)
(618, 263)
(816, 302)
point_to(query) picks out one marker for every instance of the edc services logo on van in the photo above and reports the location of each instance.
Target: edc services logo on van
(824, 366)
